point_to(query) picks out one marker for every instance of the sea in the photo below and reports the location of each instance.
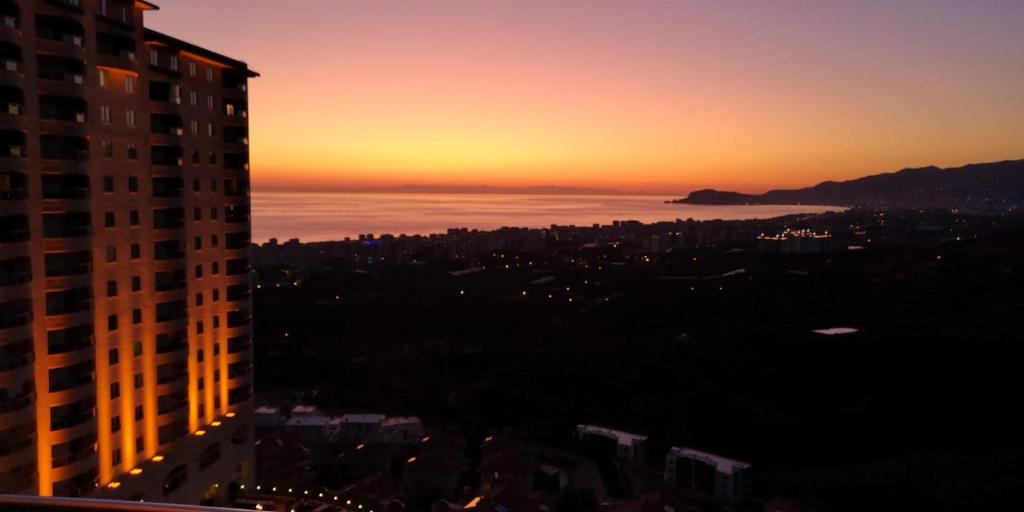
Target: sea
(317, 217)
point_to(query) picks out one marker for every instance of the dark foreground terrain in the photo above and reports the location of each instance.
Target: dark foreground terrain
(708, 345)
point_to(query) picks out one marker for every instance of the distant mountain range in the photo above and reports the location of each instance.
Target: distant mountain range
(988, 186)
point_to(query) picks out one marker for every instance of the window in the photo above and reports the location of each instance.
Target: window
(115, 390)
(136, 251)
(209, 74)
(115, 424)
(199, 299)
(111, 288)
(213, 158)
(137, 381)
(194, 127)
(216, 294)
(112, 357)
(108, 183)
(108, 219)
(136, 284)
(133, 152)
(192, 69)
(129, 84)
(108, 149)
(198, 243)
(136, 352)
(105, 114)
(216, 324)
(111, 254)
(195, 157)
(138, 412)
(136, 316)
(193, 98)
(104, 77)
(216, 268)
(195, 185)
(116, 457)
(199, 271)
(209, 129)
(154, 57)
(213, 184)
(112, 323)
(129, 118)
(199, 328)
(133, 217)
(174, 62)
(133, 184)
(197, 213)
(214, 239)
(209, 101)
(213, 213)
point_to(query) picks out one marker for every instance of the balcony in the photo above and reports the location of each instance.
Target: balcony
(168, 187)
(171, 280)
(12, 104)
(117, 13)
(16, 439)
(71, 377)
(237, 292)
(168, 250)
(169, 218)
(65, 148)
(13, 228)
(166, 124)
(171, 311)
(239, 369)
(60, 29)
(68, 109)
(66, 225)
(70, 415)
(10, 15)
(66, 302)
(240, 240)
(239, 344)
(236, 214)
(12, 144)
(239, 318)
(15, 313)
(171, 372)
(116, 50)
(65, 264)
(16, 355)
(238, 266)
(236, 110)
(169, 156)
(13, 186)
(171, 342)
(236, 135)
(235, 80)
(16, 397)
(163, 92)
(61, 69)
(236, 161)
(69, 340)
(65, 186)
(15, 271)
(172, 402)
(10, 57)
(77, 449)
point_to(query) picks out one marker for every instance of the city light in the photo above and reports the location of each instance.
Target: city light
(136, 471)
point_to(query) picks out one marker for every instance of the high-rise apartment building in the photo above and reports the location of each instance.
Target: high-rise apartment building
(125, 342)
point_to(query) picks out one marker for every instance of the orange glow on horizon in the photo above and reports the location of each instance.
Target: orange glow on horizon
(637, 97)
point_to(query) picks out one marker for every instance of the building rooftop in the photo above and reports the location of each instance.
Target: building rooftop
(834, 331)
(362, 418)
(722, 464)
(623, 438)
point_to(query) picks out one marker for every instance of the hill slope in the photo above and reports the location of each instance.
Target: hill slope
(988, 186)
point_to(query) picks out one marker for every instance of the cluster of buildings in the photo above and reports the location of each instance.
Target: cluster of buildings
(125, 336)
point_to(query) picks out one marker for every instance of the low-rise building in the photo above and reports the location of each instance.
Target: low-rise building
(702, 472)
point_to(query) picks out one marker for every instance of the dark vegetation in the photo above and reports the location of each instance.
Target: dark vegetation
(918, 409)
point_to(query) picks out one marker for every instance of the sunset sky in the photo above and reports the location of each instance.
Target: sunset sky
(637, 95)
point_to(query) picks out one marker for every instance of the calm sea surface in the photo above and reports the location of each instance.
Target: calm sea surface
(334, 216)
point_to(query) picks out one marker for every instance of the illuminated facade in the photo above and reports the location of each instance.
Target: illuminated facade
(125, 338)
